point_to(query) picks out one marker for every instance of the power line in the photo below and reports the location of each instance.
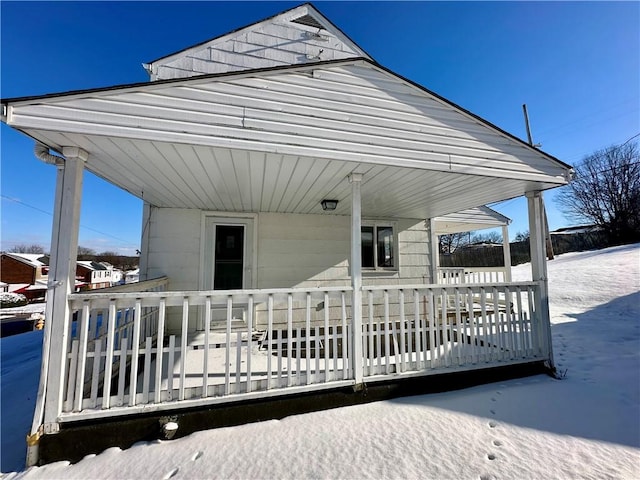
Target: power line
(15, 200)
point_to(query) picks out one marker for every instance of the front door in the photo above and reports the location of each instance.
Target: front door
(228, 262)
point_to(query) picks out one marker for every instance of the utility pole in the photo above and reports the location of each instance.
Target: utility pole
(547, 235)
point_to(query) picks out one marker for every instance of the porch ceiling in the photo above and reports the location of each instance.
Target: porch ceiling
(177, 175)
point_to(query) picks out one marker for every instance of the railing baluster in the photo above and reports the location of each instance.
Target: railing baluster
(327, 377)
(269, 338)
(82, 363)
(159, 351)
(403, 345)
(227, 372)
(122, 372)
(170, 367)
(345, 339)
(372, 352)
(432, 330)
(238, 361)
(95, 376)
(459, 345)
(135, 350)
(183, 347)
(72, 360)
(289, 338)
(207, 346)
(146, 377)
(386, 332)
(249, 340)
(108, 366)
(307, 333)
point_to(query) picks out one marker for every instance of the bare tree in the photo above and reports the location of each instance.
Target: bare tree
(522, 236)
(85, 251)
(489, 237)
(451, 242)
(23, 248)
(606, 192)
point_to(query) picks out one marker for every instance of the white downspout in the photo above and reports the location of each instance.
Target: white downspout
(42, 153)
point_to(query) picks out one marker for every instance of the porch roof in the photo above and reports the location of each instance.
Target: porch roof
(282, 139)
(477, 218)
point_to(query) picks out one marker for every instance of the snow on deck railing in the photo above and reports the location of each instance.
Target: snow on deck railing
(204, 347)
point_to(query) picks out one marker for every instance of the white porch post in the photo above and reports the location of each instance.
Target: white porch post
(64, 249)
(356, 277)
(434, 250)
(506, 250)
(539, 269)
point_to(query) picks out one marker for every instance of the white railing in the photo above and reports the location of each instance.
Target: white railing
(418, 329)
(302, 341)
(457, 275)
(146, 351)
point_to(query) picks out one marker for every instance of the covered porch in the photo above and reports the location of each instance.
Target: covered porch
(254, 151)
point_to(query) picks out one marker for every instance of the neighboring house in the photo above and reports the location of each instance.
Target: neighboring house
(94, 274)
(290, 185)
(26, 273)
(132, 276)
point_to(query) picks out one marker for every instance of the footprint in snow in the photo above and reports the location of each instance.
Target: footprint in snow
(497, 443)
(171, 474)
(493, 412)
(493, 424)
(196, 456)
(487, 476)
(491, 456)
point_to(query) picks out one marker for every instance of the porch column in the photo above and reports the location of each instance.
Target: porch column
(434, 249)
(356, 278)
(506, 251)
(64, 251)
(539, 270)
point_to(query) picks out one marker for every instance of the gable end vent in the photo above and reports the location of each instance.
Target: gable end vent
(308, 20)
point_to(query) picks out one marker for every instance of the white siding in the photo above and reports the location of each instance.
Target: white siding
(293, 251)
(174, 247)
(272, 43)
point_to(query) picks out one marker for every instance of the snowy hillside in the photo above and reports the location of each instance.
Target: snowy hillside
(584, 426)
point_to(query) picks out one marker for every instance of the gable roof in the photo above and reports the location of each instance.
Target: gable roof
(297, 36)
(31, 259)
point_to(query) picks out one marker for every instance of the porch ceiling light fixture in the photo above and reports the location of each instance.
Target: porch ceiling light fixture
(329, 204)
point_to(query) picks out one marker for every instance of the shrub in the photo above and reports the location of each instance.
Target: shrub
(8, 300)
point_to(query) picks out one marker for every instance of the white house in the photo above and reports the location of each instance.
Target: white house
(291, 186)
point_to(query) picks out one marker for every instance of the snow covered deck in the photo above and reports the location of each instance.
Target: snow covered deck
(281, 348)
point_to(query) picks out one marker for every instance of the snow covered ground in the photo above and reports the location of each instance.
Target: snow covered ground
(584, 426)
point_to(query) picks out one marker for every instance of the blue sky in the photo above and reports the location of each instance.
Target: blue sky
(576, 65)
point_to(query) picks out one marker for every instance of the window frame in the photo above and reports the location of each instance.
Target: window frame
(380, 223)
